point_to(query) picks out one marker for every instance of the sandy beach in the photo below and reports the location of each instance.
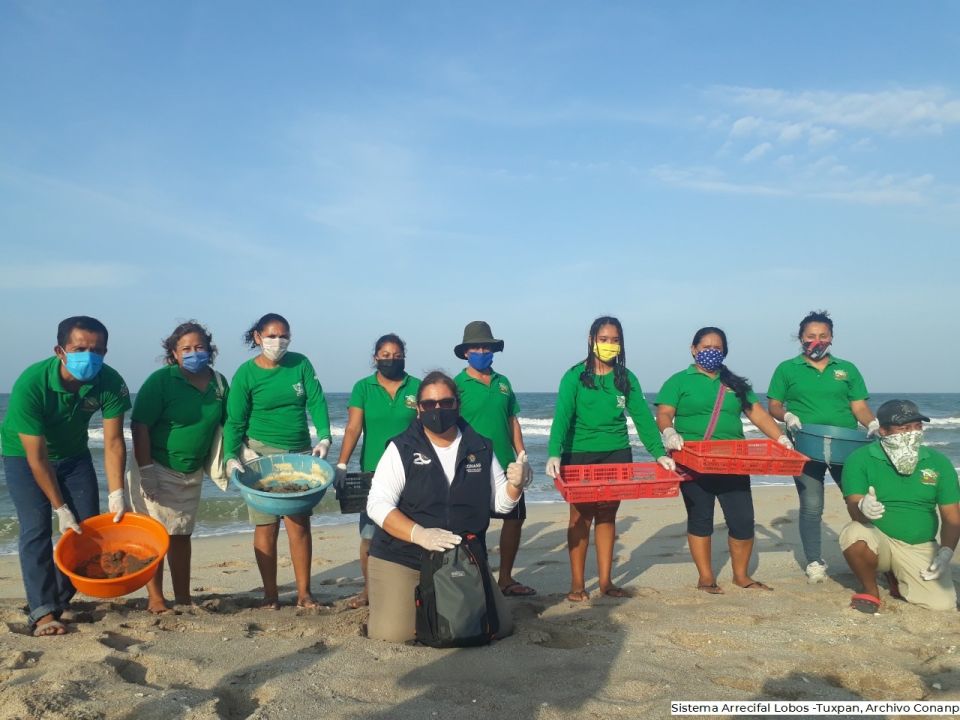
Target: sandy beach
(225, 658)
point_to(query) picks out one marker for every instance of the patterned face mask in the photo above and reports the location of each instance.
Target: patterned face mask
(903, 450)
(816, 349)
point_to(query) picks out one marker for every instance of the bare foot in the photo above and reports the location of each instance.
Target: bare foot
(157, 607)
(616, 592)
(710, 588)
(49, 628)
(358, 601)
(270, 604)
(578, 596)
(754, 585)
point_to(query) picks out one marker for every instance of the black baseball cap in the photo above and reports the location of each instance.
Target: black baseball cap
(899, 412)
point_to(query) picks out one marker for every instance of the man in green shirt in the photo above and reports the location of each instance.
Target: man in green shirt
(47, 462)
(489, 405)
(894, 489)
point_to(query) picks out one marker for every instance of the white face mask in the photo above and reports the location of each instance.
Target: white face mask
(274, 348)
(903, 450)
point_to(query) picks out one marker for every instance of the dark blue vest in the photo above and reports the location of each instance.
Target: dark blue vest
(430, 501)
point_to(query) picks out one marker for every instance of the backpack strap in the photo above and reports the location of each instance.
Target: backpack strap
(715, 415)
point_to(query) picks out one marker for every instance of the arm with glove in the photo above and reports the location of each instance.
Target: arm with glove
(949, 535)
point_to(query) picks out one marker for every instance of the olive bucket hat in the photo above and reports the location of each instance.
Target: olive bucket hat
(477, 333)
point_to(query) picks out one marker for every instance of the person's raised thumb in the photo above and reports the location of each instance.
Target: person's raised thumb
(522, 457)
(871, 491)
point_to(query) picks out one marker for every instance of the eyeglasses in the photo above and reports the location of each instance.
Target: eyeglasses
(446, 403)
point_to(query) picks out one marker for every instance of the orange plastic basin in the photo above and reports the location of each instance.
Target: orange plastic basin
(138, 534)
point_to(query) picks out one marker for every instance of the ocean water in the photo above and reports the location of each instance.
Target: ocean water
(225, 512)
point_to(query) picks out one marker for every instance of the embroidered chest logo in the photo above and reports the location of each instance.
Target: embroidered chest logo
(410, 401)
(929, 477)
(472, 467)
(123, 390)
(839, 374)
(91, 404)
(504, 388)
(621, 402)
(420, 459)
(471, 458)
(298, 389)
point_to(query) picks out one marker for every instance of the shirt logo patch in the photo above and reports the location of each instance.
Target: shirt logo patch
(420, 459)
(471, 458)
(123, 390)
(410, 401)
(473, 467)
(504, 388)
(929, 477)
(621, 402)
(298, 389)
(839, 374)
(91, 404)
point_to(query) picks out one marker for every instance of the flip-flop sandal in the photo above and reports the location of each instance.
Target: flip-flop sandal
(357, 602)
(50, 629)
(516, 589)
(616, 592)
(578, 596)
(755, 585)
(865, 603)
(711, 589)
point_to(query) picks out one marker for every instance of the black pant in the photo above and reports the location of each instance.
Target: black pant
(733, 492)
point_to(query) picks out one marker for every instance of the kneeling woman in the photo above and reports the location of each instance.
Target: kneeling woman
(694, 404)
(435, 481)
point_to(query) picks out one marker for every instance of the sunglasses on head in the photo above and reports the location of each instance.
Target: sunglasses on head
(446, 403)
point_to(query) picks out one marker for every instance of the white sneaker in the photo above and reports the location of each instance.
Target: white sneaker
(816, 572)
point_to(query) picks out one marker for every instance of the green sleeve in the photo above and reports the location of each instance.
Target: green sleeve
(357, 395)
(858, 388)
(752, 397)
(855, 480)
(25, 408)
(778, 385)
(115, 400)
(643, 419)
(564, 412)
(239, 404)
(514, 409)
(149, 403)
(316, 402)
(948, 491)
(670, 392)
(225, 399)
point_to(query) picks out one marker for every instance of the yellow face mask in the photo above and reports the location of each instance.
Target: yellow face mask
(606, 351)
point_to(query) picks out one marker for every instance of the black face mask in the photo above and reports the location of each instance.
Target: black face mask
(439, 420)
(391, 369)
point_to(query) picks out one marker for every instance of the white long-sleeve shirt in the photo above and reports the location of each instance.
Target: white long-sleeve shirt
(389, 479)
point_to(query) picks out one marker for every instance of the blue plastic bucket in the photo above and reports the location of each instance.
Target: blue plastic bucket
(827, 443)
(320, 477)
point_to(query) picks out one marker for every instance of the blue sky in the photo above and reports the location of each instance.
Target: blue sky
(369, 167)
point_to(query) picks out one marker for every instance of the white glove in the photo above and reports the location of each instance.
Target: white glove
(941, 562)
(67, 520)
(339, 476)
(149, 482)
(321, 449)
(792, 421)
(234, 465)
(116, 505)
(667, 463)
(873, 428)
(785, 441)
(433, 539)
(517, 474)
(553, 467)
(672, 440)
(871, 508)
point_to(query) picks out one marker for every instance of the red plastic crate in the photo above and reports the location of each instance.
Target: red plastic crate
(616, 481)
(740, 457)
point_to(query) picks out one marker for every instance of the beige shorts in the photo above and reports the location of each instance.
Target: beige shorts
(905, 561)
(174, 502)
(256, 516)
(393, 614)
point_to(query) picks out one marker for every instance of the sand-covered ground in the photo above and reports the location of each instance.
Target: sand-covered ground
(607, 658)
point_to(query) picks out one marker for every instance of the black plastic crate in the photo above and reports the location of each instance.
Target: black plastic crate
(353, 495)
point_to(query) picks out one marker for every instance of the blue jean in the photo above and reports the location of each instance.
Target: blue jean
(810, 489)
(48, 589)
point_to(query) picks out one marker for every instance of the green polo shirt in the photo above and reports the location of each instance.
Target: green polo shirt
(911, 502)
(594, 419)
(384, 417)
(693, 394)
(41, 405)
(821, 398)
(181, 419)
(488, 409)
(269, 405)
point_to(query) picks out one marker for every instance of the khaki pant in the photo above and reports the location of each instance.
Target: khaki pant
(393, 614)
(905, 561)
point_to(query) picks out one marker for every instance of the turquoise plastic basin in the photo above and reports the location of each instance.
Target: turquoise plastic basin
(288, 503)
(827, 443)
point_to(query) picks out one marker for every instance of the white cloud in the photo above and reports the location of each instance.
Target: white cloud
(757, 152)
(69, 275)
(710, 180)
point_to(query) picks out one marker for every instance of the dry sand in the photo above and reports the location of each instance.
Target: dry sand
(607, 658)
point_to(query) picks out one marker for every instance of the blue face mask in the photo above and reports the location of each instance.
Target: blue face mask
(194, 362)
(710, 359)
(84, 366)
(480, 361)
